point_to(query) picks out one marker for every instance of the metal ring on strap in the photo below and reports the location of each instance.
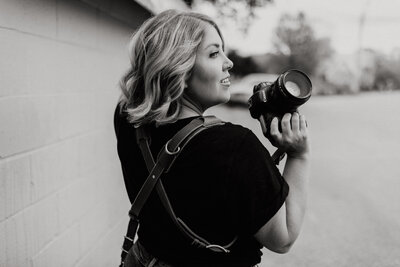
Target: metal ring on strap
(173, 152)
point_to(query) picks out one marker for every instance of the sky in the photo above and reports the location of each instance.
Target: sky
(338, 20)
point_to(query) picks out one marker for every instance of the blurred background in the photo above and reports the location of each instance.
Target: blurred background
(62, 197)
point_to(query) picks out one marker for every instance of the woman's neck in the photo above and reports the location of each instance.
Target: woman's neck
(190, 109)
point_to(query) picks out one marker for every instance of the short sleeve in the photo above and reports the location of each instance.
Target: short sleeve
(260, 188)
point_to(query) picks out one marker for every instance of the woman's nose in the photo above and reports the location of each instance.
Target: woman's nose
(228, 64)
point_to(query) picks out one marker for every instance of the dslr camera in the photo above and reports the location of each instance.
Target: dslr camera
(290, 90)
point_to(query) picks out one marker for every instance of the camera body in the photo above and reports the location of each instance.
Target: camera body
(290, 90)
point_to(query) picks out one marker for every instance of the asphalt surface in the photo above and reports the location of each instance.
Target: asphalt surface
(353, 216)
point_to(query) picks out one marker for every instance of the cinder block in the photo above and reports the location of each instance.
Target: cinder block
(3, 197)
(110, 146)
(110, 187)
(34, 123)
(86, 151)
(124, 11)
(45, 172)
(63, 251)
(105, 105)
(67, 152)
(3, 255)
(41, 223)
(13, 65)
(75, 201)
(106, 252)
(17, 177)
(115, 32)
(39, 65)
(36, 17)
(77, 23)
(114, 59)
(93, 226)
(77, 69)
(76, 113)
(42, 61)
(54, 167)
(14, 135)
(102, 4)
(101, 147)
(112, 178)
(16, 241)
(118, 207)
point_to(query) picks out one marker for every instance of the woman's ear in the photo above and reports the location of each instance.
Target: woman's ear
(187, 79)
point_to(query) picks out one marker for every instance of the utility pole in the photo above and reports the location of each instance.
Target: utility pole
(361, 27)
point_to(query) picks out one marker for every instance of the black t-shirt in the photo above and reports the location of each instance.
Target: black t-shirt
(223, 184)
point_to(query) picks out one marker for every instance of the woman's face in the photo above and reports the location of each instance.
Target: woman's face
(209, 82)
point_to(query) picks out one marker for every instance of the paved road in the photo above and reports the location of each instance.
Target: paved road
(354, 204)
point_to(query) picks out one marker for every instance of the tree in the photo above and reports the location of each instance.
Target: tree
(242, 65)
(387, 73)
(239, 12)
(297, 45)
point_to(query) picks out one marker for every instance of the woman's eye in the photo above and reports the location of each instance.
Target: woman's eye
(214, 54)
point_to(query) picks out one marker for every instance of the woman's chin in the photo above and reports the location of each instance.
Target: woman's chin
(227, 97)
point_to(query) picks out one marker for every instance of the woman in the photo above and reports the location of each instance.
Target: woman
(224, 183)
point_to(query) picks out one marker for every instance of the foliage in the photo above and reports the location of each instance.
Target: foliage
(242, 65)
(297, 46)
(387, 73)
(250, 4)
(239, 12)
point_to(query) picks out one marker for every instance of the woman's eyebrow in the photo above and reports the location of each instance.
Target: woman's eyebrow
(216, 45)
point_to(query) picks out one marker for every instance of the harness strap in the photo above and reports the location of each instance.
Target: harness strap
(165, 160)
(144, 141)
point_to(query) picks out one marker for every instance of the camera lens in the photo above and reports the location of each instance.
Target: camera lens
(297, 84)
(292, 88)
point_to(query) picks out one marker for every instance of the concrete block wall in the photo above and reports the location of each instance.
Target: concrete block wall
(62, 198)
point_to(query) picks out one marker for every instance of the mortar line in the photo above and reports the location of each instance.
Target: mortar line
(50, 38)
(51, 144)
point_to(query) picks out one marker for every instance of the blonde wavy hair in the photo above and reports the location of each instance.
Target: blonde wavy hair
(162, 56)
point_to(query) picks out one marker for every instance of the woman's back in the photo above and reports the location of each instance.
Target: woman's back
(218, 186)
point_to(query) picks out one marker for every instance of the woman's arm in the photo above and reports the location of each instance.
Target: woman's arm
(279, 233)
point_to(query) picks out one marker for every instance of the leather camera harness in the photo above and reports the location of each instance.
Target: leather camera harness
(165, 159)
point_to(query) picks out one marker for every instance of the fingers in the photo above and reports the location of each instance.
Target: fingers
(286, 127)
(303, 124)
(293, 138)
(293, 125)
(296, 123)
(275, 133)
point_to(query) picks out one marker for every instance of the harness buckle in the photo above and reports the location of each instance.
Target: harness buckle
(217, 248)
(129, 239)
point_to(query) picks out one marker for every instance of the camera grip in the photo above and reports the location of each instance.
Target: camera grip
(279, 154)
(265, 122)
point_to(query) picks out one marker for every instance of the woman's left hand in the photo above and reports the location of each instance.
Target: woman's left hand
(294, 137)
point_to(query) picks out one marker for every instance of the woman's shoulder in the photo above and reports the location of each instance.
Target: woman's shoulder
(231, 129)
(229, 132)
